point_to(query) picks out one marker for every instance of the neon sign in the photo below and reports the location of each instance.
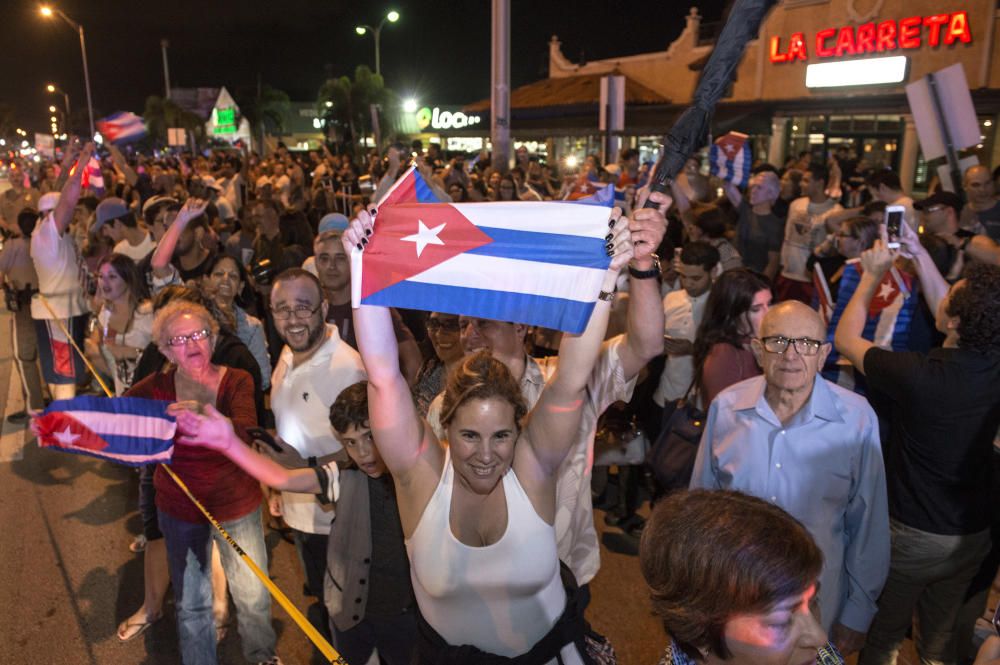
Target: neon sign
(437, 119)
(883, 37)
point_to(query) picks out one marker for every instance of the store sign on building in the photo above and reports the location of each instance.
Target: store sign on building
(913, 32)
(225, 120)
(438, 118)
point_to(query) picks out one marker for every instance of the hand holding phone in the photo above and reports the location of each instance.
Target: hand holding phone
(893, 223)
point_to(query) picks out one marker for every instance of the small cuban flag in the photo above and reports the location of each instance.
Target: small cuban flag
(535, 262)
(92, 177)
(730, 159)
(127, 430)
(122, 127)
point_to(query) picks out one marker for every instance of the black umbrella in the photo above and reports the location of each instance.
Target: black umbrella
(691, 129)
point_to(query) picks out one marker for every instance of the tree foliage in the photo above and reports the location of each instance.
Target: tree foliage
(266, 109)
(161, 114)
(352, 100)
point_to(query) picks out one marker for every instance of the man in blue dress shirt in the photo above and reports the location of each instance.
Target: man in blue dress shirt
(811, 447)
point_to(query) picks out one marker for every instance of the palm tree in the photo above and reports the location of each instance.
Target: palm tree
(161, 114)
(266, 111)
(8, 119)
(352, 100)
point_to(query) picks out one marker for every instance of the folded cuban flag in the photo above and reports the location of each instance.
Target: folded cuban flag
(539, 263)
(122, 127)
(92, 177)
(730, 159)
(127, 430)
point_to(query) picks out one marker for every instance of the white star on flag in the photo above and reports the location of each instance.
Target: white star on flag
(66, 437)
(425, 236)
(886, 291)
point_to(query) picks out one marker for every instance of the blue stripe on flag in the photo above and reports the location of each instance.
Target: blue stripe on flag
(556, 248)
(424, 192)
(124, 444)
(557, 313)
(98, 455)
(135, 406)
(603, 197)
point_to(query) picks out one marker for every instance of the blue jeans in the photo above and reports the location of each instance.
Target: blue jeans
(189, 553)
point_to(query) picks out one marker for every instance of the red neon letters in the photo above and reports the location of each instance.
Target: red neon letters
(886, 36)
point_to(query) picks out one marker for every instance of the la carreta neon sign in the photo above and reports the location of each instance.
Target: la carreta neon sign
(882, 37)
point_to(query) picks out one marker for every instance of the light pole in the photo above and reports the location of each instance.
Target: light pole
(51, 88)
(48, 12)
(364, 29)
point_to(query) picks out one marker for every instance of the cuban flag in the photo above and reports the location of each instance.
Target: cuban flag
(730, 159)
(533, 262)
(92, 177)
(122, 127)
(126, 430)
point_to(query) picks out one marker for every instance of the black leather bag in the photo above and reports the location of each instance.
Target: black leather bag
(671, 457)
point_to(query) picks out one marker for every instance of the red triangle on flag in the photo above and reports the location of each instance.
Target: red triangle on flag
(410, 238)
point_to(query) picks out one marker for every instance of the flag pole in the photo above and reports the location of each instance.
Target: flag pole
(314, 636)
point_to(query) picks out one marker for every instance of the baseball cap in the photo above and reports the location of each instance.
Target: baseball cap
(332, 221)
(108, 209)
(156, 200)
(48, 202)
(941, 198)
(209, 181)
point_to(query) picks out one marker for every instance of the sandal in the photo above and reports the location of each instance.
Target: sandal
(138, 544)
(139, 627)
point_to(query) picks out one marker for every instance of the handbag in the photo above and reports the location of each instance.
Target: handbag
(671, 457)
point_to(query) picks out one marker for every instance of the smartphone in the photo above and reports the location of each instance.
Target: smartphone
(261, 434)
(893, 225)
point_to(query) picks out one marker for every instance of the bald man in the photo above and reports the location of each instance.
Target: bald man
(982, 213)
(795, 439)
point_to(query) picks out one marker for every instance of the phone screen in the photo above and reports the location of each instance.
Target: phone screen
(893, 222)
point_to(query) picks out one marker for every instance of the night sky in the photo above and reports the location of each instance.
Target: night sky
(439, 51)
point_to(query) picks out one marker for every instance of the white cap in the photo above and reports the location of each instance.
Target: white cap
(48, 202)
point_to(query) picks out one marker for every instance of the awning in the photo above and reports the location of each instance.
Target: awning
(569, 91)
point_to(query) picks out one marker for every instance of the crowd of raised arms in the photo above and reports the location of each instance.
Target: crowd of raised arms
(812, 393)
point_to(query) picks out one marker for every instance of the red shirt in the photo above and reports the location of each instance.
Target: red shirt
(724, 366)
(226, 491)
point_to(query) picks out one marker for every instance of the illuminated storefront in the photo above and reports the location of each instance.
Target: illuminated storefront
(823, 75)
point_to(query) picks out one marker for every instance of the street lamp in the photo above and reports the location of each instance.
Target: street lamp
(54, 90)
(48, 12)
(364, 29)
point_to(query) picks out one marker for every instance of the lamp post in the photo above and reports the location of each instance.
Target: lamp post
(364, 29)
(48, 12)
(53, 89)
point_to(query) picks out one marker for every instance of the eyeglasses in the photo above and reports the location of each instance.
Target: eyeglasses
(445, 325)
(196, 336)
(803, 345)
(301, 312)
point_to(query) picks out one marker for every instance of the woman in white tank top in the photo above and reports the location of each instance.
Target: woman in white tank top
(478, 511)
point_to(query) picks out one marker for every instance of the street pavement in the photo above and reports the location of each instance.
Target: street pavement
(68, 578)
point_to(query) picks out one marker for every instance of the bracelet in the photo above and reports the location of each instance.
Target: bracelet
(606, 296)
(646, 274)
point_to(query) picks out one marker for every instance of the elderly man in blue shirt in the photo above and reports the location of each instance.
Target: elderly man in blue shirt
(795, 439)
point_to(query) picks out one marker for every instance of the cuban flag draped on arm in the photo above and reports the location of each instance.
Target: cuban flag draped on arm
(122, 127)
(539, 263)
(127, 430)
(730, 159)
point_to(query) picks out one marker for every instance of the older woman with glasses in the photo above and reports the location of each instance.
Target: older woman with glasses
(186, 333)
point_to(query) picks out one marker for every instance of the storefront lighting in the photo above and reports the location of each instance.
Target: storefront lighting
(571, 162)
(987, 123)
(795, 128)
(872, 71)
(410, 106)
(979, 146)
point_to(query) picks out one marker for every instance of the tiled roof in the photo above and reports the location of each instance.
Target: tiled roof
(570, 91)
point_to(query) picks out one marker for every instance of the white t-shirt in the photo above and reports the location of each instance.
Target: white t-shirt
(301, 397)
(58, 267)
(804, 230)
(136, 252)
(681, 317)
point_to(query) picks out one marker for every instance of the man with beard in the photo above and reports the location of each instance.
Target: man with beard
(314, 367)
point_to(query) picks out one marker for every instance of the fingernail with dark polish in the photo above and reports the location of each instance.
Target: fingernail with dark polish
(364, 241)
(609, 246)
(611, 223)
(368, 232)
(609, 236)
(360, 246)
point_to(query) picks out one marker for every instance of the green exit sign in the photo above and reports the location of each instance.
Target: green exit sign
(225, 121)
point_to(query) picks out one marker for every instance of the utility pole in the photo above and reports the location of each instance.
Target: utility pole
(166, 67)
(500, 86)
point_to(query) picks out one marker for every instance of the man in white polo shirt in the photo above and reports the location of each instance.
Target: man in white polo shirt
(314, 367)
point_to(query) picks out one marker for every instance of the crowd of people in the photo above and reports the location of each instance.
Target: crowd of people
(434, 470)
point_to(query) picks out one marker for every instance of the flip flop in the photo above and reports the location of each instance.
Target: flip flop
(139, 626)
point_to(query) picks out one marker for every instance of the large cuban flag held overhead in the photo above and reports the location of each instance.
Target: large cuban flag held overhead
(126, 430)
(539, 263)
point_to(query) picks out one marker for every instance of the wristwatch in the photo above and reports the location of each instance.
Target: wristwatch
(646, 274)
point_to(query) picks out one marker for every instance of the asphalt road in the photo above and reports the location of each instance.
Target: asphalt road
(67, 577)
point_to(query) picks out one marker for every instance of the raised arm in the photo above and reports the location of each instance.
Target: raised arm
(66, 164)
(403, 440)
(165, 249)
(933, 285)
(213, 430)
(70, 195)
(552, 424)
(131, 177)
(732, 193)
